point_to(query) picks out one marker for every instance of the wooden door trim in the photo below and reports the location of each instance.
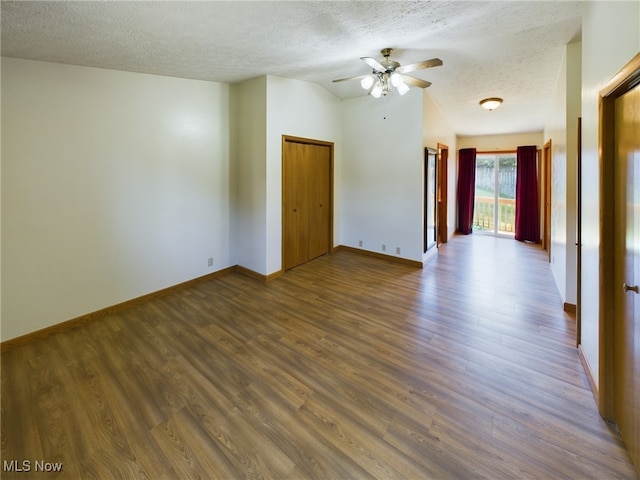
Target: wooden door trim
(307, 141)
(579, 237)
(546, 198)
(443, 194)
(624, 81)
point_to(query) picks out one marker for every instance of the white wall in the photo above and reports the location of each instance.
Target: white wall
(249, 170)
(501, 142)
(382, 175)
(562, 130)
(556, 131)
(436, 129)
(1, 337)
(300, 109)
(603, 55)
(265, 109)
(114, 185)
(573, 112)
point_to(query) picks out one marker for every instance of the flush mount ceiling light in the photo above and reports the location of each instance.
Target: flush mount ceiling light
(491, 103)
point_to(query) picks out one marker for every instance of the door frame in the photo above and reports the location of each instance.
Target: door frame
(625, 80)
(579, 237)
(496, 215)
(430, 199)
(442, 187)
(306, 141)
(546, 223)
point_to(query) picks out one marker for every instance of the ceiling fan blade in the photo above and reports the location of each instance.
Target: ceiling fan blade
(415, 82)
(359, 77)
(373, 63)
(434, 62)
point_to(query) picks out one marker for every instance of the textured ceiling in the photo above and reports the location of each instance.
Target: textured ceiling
(513, 50)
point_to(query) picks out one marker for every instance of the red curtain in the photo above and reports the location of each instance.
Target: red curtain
(527, 214)
(466, 189)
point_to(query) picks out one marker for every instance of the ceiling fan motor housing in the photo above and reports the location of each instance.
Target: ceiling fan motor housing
(390, 65)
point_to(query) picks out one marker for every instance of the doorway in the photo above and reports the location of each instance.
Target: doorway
(495, 193)
(430, 221)
(442, 188)
(307, 200)
(619, 120)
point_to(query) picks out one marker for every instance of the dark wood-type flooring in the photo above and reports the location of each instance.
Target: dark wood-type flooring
(346, 367)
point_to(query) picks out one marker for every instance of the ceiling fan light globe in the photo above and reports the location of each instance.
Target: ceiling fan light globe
(376, 91)
(366, 82)
(403, 88)
(396, 79)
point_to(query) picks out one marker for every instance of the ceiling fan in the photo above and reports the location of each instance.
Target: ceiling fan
(389, 74)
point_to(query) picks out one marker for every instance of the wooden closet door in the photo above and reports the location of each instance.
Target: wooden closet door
(306, 185)
(295, 205)
(319, 181)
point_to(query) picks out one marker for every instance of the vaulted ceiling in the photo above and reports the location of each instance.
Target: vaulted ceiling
(512, 50)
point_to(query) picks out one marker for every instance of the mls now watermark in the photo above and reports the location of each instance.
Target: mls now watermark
(29, 466)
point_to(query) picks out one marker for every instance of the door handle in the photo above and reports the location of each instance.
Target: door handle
(628, 288)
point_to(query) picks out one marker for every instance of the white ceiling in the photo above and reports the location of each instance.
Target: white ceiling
(512, 50)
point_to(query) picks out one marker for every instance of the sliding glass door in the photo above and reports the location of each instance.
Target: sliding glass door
(495, 196)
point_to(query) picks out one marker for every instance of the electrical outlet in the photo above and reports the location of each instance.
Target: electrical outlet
(384, 247)
(397, 250)
(210, 261)
(359, 243)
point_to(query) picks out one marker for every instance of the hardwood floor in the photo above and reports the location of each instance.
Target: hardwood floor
(345, 367)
